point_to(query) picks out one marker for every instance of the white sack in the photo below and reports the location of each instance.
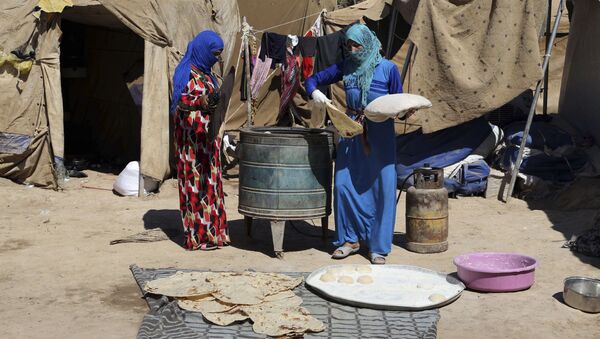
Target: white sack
(128, 181)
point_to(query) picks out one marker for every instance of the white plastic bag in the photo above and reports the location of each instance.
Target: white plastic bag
(128, 181)
(394, 105)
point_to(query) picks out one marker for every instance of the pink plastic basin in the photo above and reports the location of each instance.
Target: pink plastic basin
(496, 272)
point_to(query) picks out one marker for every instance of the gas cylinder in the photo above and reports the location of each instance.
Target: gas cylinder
(427, 212)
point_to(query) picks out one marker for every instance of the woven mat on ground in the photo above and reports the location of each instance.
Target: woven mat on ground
(166, 320)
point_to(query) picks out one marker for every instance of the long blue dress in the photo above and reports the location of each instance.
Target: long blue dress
(365, 184)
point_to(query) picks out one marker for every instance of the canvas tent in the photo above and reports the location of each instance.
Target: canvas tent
(31, 124)
(580, 90)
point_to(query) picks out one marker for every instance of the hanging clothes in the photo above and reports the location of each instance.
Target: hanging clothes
(308, 47)
(290, 81)
(260, 74)
(330, 51)
(244, 82)
(273, 45)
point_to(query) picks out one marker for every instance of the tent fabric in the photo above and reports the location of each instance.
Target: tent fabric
(372, 9)
(473, 57)
(23, 101)
(579, 96)
(288, 17)
(34, 101)
(155, 122)
(144, 18)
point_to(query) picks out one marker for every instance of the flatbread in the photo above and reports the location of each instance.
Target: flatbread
(289, 322)
(204, 306)
(275, 307)
(251, 288)
(182, 284)
(280, 295)
(225, 318)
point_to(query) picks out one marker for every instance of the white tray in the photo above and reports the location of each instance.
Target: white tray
(394, 287)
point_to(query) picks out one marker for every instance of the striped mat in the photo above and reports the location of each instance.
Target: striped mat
(166, 320)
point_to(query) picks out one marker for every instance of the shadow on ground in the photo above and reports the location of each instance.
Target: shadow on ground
(299, 236)
(571, 223)
(169, 221)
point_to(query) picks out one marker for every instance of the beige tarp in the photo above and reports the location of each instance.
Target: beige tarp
(372, 9)
(24, 106)
(580, 91)
(474, 57)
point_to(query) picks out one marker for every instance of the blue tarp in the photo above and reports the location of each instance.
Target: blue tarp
(541, 134)
(440, 149)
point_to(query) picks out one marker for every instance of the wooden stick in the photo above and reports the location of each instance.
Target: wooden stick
(245, 31)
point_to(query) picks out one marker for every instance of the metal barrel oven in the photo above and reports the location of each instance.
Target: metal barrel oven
(285, 174)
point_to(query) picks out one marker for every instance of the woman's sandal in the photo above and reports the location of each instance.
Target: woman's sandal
(377, 259)
(344, 251)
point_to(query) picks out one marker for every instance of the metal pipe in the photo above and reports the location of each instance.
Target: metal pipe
(517, 165)
(411, 46)
(547, 72)
(391, 30)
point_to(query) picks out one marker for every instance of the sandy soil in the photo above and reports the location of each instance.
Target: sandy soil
(60, 278)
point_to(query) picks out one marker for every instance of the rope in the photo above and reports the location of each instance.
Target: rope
(289, 22)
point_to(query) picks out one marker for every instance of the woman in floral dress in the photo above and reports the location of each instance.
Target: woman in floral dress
(195, 96)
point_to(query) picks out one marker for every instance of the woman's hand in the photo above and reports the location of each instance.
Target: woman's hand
(319, 98)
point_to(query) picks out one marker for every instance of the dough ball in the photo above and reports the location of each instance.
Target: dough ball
(345, 279)
(365, 279)
(437, 298)
(327, 277)
(425, 286)
(364, 269)
(334, 271)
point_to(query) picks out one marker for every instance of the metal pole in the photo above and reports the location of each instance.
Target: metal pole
(391, 30)
(411, 46)
(245, 32)
(547, 72)
(517, 164)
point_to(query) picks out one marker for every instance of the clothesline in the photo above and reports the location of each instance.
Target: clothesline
(286, 23)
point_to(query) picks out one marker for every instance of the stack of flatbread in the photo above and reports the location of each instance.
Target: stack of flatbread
(266, 299)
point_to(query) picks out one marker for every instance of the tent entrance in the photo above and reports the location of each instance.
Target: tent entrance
(101, 77)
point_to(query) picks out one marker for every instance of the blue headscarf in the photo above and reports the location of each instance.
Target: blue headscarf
(200, 54)
(359, 66)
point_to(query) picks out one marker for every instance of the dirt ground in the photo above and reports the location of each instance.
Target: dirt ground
(60, 278)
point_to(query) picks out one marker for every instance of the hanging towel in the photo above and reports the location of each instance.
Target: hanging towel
(259, 75)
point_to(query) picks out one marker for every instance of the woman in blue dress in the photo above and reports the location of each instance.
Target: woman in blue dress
(365, 172)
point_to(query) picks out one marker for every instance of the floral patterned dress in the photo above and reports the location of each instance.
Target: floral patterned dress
(199, 168)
